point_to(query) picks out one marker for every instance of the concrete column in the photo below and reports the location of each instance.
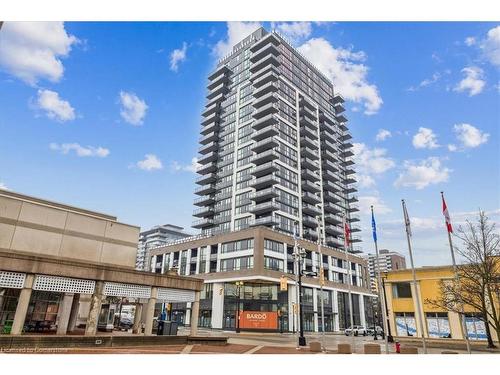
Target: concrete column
(136, 328)
(95, 309)
(316, 308)
(64, 313)
(362, 316)
(217, 306)
(187, 317)
(75, 307)
(195, 313)
(150, 310)
(22, 305)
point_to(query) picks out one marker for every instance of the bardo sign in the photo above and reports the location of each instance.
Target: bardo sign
(259, 320)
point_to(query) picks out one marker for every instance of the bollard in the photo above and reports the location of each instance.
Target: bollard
(409, 350)
(344, 349)
(398, 347)
(315, 347)
(372, 349)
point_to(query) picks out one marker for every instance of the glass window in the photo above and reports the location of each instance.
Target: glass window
(401, 290)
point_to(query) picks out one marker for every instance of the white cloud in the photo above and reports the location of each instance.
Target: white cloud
(343, 67)
(470, 41)
(133, 108)
(236, 32)
(371, 161)
(426, 82)
(294, 31)
(382, 135)
(32, 51)
(3, 186)
(81, 151)
(378, 204)
(491, 46)
(452, 147)
(177, 167)
(365, 181)
(177, 56)
(470, 136)
(419, 175)
(425, 138)
(473, 82)
(150, 163)
(55, 108)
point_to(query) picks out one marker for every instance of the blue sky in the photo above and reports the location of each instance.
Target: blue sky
(106, 116)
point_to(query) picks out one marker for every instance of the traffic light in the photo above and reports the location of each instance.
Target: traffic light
(283, 284)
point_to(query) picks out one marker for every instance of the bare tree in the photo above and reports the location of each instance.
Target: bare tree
(479, 275)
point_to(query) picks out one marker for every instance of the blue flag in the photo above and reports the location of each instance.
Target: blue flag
(374, 228)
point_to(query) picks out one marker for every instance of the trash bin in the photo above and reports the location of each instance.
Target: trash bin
(173, 328)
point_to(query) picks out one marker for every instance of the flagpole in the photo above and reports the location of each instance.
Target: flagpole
(381, 290)
(349, 278)
(417, 297)
(463, 325)
(321, 282)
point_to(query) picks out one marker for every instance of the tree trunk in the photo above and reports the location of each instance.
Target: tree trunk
(487, 325)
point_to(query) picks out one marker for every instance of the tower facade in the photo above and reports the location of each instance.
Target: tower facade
(275, 148)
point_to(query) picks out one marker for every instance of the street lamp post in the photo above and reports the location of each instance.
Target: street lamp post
(389, 335)
(302, 339)
(239, 284)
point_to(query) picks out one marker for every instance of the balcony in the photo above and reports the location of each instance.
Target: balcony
(216, 81)
(333, 208)
(261, 208)
(309, 112)
(270, 97)
(262, 195)
(329, 146)
(328, 136)
(345, 136)
(205, 189)
(308, 152)
(266, 50)
(265, 121)
(216, 99)
(332, 197)
(211, 156)
(310, 175)
(268, 60)
(214, 116)
(203, 223)
(337, 99)
(309, 221)
(265, 89)
(309, 163)
(339, 108)
(266, 220)
(347, 162)
(204, 200)
(306, 121)
(355, 228)
(334, 219)
(210, 137)
(265, 181)
(207, 168)
(310, 234)
(211, 109)
(356, 239)
(351, 188)
(265, 169)
(352, 198)
(309, 132)
(223, 69)
(306, 103)
(331, 186)
(310, 187)
(347, 153)
(310, 197)
(353, 218)
(207, 148)
(260, 73)
(334, 241)
(266, 132)
(265, 144)
(310, 209)
(269, 38)
(204, 212)
(329, 165)
(331, 176)
(209, 128)
(334, 230)
(218, 90)
(353, 208)
(341, 119)
(268, 109)
(265, 157)
(309, 142)
(206, 179)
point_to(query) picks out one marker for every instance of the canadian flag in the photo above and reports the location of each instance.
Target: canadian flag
(347, 233)
(446, 215)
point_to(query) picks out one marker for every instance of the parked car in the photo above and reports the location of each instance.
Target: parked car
(356, 330)
(378, 329)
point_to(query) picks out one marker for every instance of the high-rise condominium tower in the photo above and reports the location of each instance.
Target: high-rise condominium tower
(274, 146)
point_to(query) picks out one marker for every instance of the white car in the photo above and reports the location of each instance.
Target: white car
(356, 330)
